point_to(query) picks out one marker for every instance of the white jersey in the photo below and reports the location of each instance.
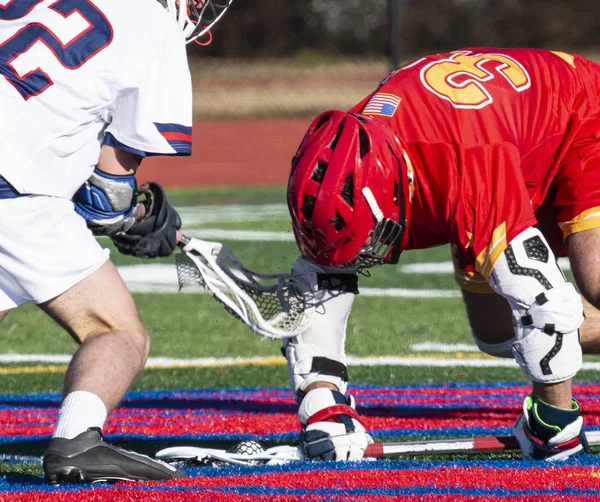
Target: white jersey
(77, 74)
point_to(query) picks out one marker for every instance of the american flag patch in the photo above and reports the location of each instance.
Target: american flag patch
(382, 104)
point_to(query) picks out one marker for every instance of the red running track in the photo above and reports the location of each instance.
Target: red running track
(232, 152)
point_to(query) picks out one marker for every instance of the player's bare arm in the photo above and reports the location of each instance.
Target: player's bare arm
(582, 247)
(120, 163)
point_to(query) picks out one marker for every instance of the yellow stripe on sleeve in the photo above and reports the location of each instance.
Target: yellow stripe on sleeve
(484, 263)
(473, 282)
(584, 221)
(565, 57)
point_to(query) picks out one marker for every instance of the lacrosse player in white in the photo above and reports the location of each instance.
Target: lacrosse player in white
(87, 90)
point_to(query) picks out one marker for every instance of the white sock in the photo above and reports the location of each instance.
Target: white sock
(79, 411)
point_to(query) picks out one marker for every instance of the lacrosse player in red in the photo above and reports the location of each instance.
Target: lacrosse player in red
(87, 90)
(496, 152)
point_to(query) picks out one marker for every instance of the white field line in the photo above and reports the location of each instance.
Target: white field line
(440, 267)
(443, 347)
(212, 362)
(410, 293)
(162, 278)
(240, 235)
(202, 215)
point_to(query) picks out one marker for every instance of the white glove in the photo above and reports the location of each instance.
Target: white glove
(539, 439)
(331, 429)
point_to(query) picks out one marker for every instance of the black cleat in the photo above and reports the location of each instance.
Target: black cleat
(87, 458)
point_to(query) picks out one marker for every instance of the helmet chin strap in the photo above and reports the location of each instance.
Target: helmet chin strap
(377, 212)
(381, 239)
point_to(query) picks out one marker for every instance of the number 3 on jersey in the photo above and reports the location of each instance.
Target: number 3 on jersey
(83, 33)
(461, 78)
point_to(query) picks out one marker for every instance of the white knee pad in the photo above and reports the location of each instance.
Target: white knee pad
(547, 310)
(318, 353)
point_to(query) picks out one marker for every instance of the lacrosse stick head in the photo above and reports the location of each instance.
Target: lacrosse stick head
(246, 453)
(272, 305)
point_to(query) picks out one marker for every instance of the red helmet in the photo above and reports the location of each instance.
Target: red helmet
(348, 192)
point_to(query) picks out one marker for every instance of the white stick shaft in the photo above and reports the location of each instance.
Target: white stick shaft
(477, 444)
(285, 454)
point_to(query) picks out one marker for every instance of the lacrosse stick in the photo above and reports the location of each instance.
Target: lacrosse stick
(272, 305)
(244, 453)
(252, 453)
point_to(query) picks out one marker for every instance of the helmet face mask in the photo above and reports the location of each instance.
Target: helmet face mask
(348, 192)
(382, 247)
(196, 17)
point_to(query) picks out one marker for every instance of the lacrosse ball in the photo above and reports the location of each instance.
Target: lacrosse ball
(247, 448)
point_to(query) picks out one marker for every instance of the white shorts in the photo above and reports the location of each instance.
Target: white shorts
(45, 249)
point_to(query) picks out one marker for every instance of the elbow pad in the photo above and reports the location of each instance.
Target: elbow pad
(547, 310)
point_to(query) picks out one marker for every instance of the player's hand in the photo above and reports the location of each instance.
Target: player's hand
(540, 440)
(331, 428)
(155, 234)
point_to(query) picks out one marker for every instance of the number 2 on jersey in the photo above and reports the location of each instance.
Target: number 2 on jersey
(71, 54)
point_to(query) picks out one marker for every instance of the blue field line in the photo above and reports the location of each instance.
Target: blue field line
(281, 400)
(462, 385)
(54, 398)
(7, 458)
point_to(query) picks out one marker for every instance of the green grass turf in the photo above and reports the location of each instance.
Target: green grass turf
(219, 195)
(186, 325)
(21, 470)
(189, 326)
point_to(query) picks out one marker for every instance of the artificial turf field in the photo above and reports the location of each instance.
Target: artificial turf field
(413, 369)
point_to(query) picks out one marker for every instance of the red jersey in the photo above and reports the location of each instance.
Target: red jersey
(486, 132)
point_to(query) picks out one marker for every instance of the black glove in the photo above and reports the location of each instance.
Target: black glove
(156, 233)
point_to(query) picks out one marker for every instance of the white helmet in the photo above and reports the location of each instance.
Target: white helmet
(196, 17)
